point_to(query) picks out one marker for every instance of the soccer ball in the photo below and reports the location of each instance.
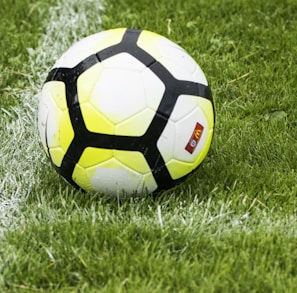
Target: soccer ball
(125, 112)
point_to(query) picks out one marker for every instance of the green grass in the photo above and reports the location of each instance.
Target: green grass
(232, 227)
(19, 30)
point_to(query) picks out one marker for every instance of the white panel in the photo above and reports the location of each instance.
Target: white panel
(42, 119)
(48, 117)
(114, 177)
(179, 130)
(89, 46)
(79, 51)
(180, 64)
(184, 131)
(154, 89)
(166, 142)
(123, 61)
(119, 93)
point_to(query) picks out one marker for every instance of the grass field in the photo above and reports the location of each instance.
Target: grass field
(232, 227)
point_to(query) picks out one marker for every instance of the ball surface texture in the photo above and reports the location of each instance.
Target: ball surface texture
(125, 112)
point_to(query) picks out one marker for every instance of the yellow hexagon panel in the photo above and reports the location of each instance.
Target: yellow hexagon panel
(133, 160)
(207, 107)
(178, 169)
(66, 133)
(54, 120)
(59, 137)
(135, 125)
(57, 92)
(87, 81)
(57, 155)
(94, 156)
(95, 121)
(149, 42)
(109, 38)
(81, 178)
(102, 169)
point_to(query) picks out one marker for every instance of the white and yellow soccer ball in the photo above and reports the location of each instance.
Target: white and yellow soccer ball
(126, 112)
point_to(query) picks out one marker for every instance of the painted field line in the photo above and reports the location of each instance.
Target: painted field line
(21, 154)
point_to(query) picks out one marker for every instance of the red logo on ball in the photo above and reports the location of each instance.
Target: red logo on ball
(194, 140)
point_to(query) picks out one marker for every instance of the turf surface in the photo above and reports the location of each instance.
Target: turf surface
(230, 228)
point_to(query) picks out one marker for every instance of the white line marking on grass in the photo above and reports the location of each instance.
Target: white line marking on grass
(21, 153)
(160, 217)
